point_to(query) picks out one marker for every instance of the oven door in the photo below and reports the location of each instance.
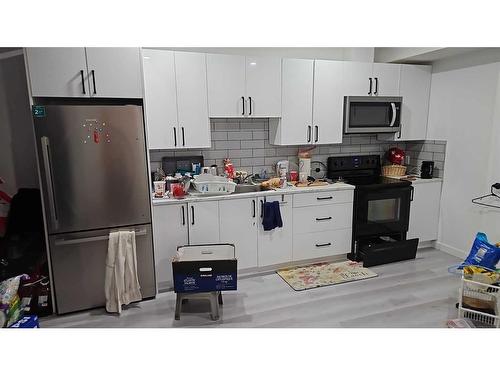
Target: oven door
(368, 114)
(382, 211)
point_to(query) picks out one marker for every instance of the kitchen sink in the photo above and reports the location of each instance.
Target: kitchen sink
(247, 188)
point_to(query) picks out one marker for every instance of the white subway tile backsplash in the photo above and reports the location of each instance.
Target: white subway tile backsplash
(246, 143)
(252, 144)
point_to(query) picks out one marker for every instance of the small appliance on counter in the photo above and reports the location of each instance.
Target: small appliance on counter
(427, 169)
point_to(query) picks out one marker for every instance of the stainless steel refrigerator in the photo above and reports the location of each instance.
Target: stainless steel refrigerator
(94, 175)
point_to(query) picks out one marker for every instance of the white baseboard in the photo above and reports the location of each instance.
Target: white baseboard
(451, 250)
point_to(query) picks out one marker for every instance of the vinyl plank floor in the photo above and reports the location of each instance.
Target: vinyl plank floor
(416, 293)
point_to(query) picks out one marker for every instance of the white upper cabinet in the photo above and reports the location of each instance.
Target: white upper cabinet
(114, 72)
(226, 85)
(415, 89)
(240, 86)
(85, 72)
(357, 78)
(263, 86)
(176, 104)
(368, 79)
(386, 79)
(296, 126)
(328, 102)
(59, 72)
(192, 101)
(160, 98)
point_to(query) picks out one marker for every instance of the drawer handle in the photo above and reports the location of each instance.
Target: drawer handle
(323, 218)
(323, 244)
(324, 198)
(207, 252)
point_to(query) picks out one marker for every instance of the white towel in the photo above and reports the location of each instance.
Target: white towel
(121, 284)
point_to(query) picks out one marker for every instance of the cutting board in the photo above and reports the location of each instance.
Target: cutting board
(315, 183)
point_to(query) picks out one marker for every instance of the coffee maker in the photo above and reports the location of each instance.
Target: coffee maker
(427, 169)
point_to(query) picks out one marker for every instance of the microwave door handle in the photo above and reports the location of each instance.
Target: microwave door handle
(393, 120)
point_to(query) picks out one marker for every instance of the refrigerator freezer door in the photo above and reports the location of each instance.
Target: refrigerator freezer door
(79, 266)
(93, 166)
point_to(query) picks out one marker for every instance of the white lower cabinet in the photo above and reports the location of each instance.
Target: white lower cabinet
(315, 225)
(170, 230)
(424, 210)
(203, 223)
(321, 244)
(275, 246)
(238, 226)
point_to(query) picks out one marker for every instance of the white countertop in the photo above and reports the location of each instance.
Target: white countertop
(419, 180)
(288, 190)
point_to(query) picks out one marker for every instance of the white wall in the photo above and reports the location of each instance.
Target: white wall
(17, 148)
(464, 112)
(326, 53)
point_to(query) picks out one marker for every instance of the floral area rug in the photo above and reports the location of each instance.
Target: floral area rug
(323, 274)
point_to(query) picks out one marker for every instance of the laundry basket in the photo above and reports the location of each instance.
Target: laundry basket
(475, 299)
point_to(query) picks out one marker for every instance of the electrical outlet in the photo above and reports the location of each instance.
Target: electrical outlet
(407, 159)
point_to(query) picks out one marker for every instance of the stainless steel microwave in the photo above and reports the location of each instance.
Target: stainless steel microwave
(372, 114)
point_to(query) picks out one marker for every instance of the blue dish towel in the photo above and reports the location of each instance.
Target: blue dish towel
(271, 215)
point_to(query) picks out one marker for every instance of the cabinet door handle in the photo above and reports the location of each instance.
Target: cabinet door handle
(376, 86)
(83, 81)
(250, 100)
(324, 198)
(323, 244)
(371, 82)
(243, 102)
(183, 216)
(323, 218)
(192, 215)
(253, 208)
(175, 137)
(93, 81)
(308, 134)
(316, 137)
(261, 208)
(183, 139)
(412, 189)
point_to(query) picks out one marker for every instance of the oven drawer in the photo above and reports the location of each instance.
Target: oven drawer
(378, 252)
(322, 198)
(322, 244)
(322, 218)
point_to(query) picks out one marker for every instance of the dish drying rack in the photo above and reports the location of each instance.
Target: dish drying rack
(491, 200)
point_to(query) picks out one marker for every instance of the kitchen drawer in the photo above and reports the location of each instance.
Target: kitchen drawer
(322, 218)
(321, 244)
(321, 198)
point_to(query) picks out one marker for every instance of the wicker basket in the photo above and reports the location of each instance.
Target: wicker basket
(393, 170)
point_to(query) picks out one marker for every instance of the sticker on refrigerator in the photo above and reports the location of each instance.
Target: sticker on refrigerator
(39, 111)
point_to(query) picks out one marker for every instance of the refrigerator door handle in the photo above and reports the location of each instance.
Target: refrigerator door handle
(74, 241)
(47, 165)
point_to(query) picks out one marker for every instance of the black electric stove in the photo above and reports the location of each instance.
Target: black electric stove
(381, 210)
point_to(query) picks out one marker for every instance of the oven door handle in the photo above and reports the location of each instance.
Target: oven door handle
(394, 114)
